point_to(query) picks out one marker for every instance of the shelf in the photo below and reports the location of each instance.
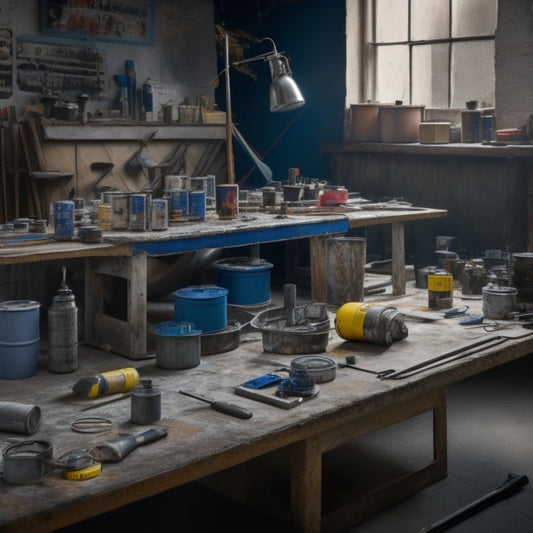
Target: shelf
(455, 149)
(132, 131)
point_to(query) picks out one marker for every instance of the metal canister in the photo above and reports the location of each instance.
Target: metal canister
(138, 212)
(148, 98)
(197, 204)
(145, 403)
(120, 214)
(440, 290)
(63, 330)
(159, 214)
(499, 302)
(64, 219)
(104, 216)
(227, 201)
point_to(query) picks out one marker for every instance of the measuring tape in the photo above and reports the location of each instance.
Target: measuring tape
(82, 474)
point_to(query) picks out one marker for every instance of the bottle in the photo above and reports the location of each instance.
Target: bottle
(148, 99)
(63, 330)
(106, 383)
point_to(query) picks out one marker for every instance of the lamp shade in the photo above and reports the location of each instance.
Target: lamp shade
(284, 93)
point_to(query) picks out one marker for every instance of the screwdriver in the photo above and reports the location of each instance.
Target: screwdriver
(223, 407)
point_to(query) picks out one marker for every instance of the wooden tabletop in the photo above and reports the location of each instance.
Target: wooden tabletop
(202, 441)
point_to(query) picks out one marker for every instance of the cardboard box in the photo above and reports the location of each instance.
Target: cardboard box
(434, 132)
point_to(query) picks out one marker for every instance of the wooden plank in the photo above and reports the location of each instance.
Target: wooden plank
(318, 250)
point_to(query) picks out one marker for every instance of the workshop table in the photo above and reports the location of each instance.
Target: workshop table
(124, 255)
(202, 442)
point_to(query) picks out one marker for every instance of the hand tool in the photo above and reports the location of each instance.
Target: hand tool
(350, 363)
(115, 450)
(453, 355)
(456, 311)
(222, 407)
(512, 484)
(265, 396)
(97, 403)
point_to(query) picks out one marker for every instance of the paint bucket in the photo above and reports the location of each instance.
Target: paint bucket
(178, 345)
(179, 202)
(197, 204)
(227, 201)
(247, 279)
(159, 214)
(19, 339)
(499, 301)
(345, 270)
(104, 216)
(120, 211)
(522, 265)
(138, 212)
(64, 219)
(203, 305)
(440, 290)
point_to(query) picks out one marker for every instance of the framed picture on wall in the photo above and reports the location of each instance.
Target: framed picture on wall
(126, 21)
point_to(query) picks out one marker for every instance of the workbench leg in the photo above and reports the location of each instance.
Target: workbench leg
(398, 258)
(318, 247)
(306, 486)
(126, 337)
(440, 434)
(530, 206)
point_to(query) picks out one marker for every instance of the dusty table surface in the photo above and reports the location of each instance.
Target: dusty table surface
(202, 441)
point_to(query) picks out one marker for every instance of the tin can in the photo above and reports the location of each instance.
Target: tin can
(227, 201)
(120, 212)
(104, 216)
(159, 214)
(440, 290)
(138, 212)
(64, 219)
(179, 202)
(197, 204)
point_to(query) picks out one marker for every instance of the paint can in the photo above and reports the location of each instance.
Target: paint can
(203, 305)
(197, 204)
(440, 290)
(64, 219)
(178, 345)
(159, 214)
(227, 201)
(138, 212)
(179, 202)
(19, 339)
(247, 279)
(522, 265)
(104, 216)
(499, 301)
(120, 213)
(470, 126)
(19, 417)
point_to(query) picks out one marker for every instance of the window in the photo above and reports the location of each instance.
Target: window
(437, 53)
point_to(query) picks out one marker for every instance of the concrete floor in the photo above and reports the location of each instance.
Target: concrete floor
(490, 434)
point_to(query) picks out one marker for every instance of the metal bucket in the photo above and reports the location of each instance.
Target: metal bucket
(19, 339)
(178, 345)
(499, 302)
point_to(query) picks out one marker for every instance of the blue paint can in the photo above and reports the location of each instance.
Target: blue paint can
(19, 339)
(64, 219)
(197, 204)
(247, 279)
(138, 212)
(179, 202)
(203, 305)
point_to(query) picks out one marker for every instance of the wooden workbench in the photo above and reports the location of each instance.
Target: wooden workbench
(202, 442)
(124, 255)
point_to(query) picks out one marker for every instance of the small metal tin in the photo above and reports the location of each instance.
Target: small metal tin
(159, 214)
(90, 234)
(145, 403)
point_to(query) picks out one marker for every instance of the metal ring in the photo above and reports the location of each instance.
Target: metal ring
(91, 424)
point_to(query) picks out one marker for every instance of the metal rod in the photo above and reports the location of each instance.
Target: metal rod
(229, 121)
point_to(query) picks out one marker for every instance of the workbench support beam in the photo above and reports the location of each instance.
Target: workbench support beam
(398, 258)
(318, 249)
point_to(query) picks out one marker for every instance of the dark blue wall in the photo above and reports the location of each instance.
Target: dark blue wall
(313, 36)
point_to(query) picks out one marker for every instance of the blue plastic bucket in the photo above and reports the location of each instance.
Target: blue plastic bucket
(19, 339)
(64, 219)
(247, 280)
(203, 305)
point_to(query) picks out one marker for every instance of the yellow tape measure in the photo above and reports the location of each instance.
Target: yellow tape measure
(82, 474)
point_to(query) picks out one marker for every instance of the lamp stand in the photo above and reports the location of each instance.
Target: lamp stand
(230, 163)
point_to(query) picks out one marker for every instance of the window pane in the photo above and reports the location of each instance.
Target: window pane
(474, 17)
(392, 64)
(391, 20)
(430, 75)
(472, 72)
(430, 19)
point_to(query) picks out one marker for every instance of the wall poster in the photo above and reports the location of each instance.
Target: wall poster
(127, 21)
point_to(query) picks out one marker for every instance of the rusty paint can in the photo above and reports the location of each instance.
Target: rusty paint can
(227, 201)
